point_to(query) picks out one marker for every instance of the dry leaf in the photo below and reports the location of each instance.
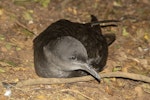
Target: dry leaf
(139, 91)
(41, 97)
(1, 11)
(108, 90)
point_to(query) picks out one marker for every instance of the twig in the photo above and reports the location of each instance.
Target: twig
(83, 79)
(24, 27)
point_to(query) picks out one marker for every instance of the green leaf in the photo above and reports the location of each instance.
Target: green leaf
(2, 37)
(28, 15)
(20, 2)
(8, 46)
(11, 63)
(27, 33)
(2, 71)
(44, 3)
(107, 80)
(18, 48)
(118, 68)
(125, 33)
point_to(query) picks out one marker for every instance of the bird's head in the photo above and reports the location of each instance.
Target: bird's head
(70, 55)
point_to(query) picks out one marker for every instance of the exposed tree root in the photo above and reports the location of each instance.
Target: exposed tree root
(38, 81)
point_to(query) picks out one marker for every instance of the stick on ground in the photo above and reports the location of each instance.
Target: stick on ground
(38, 81)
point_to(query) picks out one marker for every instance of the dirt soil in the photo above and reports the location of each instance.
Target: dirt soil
(22, 20)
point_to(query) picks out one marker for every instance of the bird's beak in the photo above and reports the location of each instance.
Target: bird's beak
(90, 70)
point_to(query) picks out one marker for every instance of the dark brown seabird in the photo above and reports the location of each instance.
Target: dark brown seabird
(70, 49)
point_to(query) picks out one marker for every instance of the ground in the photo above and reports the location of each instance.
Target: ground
(22, 20)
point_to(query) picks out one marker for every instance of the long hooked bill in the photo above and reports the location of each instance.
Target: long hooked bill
(91, 71)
